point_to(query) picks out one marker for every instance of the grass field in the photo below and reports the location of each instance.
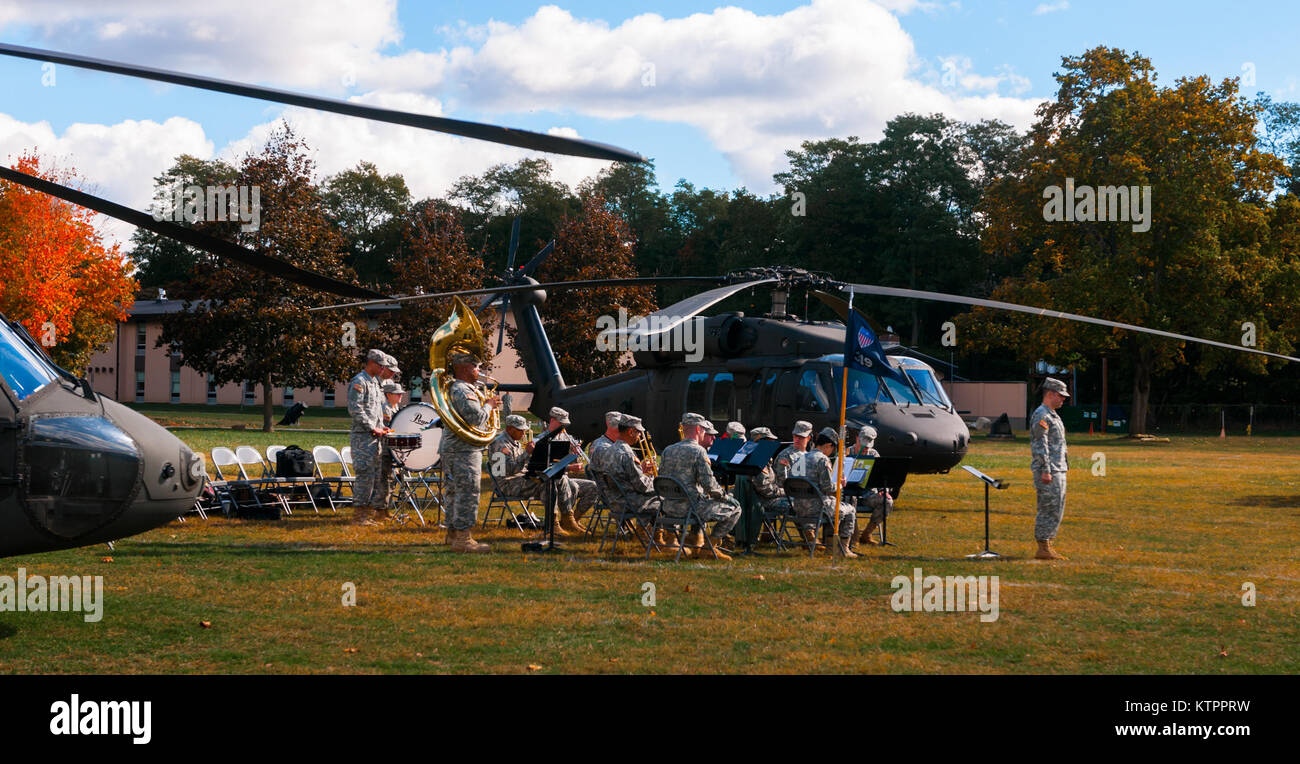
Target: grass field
(1160, 548)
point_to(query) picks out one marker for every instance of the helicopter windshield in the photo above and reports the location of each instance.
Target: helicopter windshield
(931, 391)
(865, 388)
(24, 369)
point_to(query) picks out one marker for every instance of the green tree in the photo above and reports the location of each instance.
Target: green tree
(1201, 269)
(370, 210)
(241, 324)
(162, 261)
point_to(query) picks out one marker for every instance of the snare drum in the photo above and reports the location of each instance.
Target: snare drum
(402, 441)
(418, 420)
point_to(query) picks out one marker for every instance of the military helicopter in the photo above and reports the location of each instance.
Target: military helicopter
(77, 468)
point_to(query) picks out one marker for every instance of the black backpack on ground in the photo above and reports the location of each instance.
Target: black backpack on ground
(293, 462)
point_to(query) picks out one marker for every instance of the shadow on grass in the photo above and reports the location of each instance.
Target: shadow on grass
(1280, 502)
(7, 631)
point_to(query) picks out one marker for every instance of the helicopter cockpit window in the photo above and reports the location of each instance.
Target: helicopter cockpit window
(83, 471)
(696, 387)
(723, 384)
(24, 370)
(931, 392)
(812, 395)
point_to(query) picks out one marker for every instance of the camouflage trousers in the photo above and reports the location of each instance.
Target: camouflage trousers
(805, 516)
(461, 473)
(1051, 505)
(879, 502)
(575, 495)
(723, 513)
(370, 488)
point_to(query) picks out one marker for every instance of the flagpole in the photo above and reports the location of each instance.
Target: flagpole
(844, 404)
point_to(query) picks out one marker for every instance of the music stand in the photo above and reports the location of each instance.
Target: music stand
(885, 472)
(549, 460)
(720, 454)
(999, 484)
(747, 460)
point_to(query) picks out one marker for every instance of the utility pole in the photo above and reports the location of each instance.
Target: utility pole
(1104, 390)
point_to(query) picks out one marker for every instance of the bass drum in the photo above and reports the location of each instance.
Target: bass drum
(418, 419)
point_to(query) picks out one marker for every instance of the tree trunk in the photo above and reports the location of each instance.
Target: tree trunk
(1137, 418)
(267, 408)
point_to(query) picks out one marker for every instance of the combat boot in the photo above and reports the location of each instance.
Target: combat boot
(569, 524)
(845, 549)
(694, 539)
(1046, 552)
(381, 514)
(869, 534)
(667, 539)
(464, 542)
(717, 549)
(361, 516)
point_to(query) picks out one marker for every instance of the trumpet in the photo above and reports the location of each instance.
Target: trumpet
(648, 456)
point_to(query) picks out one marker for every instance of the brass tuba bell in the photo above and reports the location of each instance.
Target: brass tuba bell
(461, 333)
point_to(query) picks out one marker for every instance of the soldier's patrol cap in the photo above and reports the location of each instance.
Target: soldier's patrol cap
(390, 363)
(392, 387)
(830, 433)
(690, 419)
(457, 359)
(1056, 386)
(762, 433)
(378, 356)
(736, 430)
(633, 422)
(867, 434)
(559, 414)
(517, 422)
(803, 429)
(613, 418)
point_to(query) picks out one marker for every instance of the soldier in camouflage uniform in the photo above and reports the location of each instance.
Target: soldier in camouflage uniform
(770, 493)
(365, 406)
(735, 430)
(818, 466)
(508, 457)
(607, 438)
(462, 461)
(688, 462)
(1049, 462)
(392, 403)
(784, 460)
(574, 495)
(618, 463)
(878, 500)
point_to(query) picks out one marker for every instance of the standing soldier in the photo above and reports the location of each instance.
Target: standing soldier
(688, 462)
(392, 403)
(785, 459)
(366, 407)
(1049, 462)
(462, 460)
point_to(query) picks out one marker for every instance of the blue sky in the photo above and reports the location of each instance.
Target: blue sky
(734, 90)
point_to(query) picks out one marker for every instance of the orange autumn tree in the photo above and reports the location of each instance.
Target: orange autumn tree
(57, 276)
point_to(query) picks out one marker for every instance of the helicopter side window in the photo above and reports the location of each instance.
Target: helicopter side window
(23, 369)
(812, 395)
(696, 387)
(723, 385)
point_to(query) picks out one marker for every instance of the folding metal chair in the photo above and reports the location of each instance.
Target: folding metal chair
(278, 486)
(334, 486)
(599, 512)
(240, 482)
(671, 489)
(801, 488)
(504, 505)
(626, 524)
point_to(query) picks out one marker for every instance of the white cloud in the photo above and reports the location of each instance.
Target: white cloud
(1051, 7)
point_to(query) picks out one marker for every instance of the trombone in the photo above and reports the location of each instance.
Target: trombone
(647, 455)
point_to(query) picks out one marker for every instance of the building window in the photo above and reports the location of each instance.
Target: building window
(176, 387)
(139, 387)
(329, 396)
(288, 396)
(212, 390)
(141, 339)
(249, 397)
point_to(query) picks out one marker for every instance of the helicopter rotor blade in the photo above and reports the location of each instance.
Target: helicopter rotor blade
(841, 308)
(999, 305)
(667, 319)
(191, 237)
(550, 286)
(524, 139)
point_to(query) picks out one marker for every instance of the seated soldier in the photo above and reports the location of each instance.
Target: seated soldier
(818, 466)
(618, 463)
(735, 430)
(769, 490)
(574, 495)
(781, 466)
(878, 499)
(688, 462)
(507, 459)
(608, 438)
